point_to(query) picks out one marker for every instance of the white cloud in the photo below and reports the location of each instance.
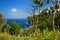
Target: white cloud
(14, 10)
(17, 15)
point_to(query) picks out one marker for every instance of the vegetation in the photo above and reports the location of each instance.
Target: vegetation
(14, 29)
(36, 36)
(44, 26)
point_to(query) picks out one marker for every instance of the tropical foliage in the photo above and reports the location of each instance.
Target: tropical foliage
(44, 26)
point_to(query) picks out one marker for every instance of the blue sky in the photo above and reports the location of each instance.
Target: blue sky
(15, 9)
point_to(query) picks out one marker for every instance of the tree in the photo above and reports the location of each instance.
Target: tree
(2, 21)
(55, 7)
(57, 20)
(5, 28)
(15, 28)
(54, 3)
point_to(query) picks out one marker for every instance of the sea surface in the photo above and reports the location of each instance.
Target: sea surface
(22, 22)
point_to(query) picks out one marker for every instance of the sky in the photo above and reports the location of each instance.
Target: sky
(15, 9)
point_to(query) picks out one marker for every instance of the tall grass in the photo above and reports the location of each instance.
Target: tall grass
(53, 35)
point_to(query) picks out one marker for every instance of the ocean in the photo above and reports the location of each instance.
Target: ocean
(22, 22)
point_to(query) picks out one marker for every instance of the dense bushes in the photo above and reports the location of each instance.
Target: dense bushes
(5, 28)
(14, 29)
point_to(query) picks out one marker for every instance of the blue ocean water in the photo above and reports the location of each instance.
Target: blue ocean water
(22, 22)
